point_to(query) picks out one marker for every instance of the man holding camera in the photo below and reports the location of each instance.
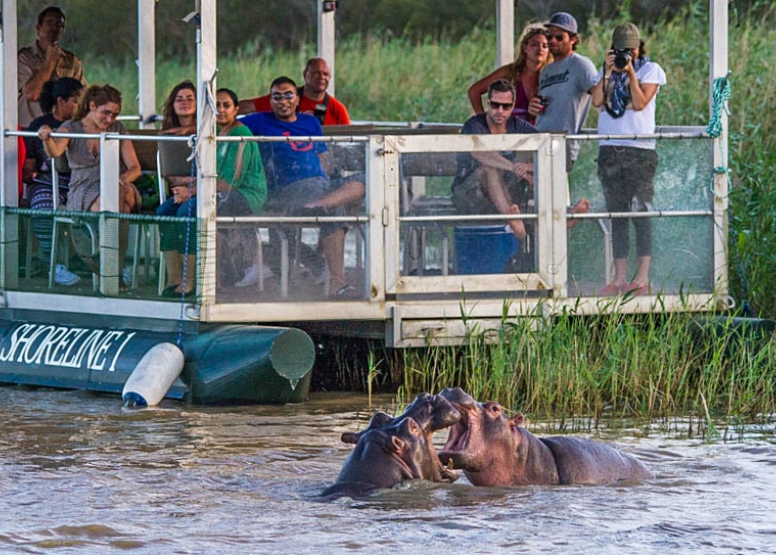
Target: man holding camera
(565, 85)
(626, 93)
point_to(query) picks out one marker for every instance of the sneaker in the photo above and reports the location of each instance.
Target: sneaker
(252, 276)
(63, 276)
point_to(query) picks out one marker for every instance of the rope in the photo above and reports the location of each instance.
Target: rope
(719, 97)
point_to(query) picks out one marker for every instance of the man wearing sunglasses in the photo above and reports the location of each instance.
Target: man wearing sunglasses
(296, 176)
(566, 84)
(494, 182)
(313, 98)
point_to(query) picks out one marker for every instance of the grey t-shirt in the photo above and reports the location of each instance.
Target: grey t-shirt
(566, 84)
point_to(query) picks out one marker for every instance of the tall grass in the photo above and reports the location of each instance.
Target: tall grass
(650, 365)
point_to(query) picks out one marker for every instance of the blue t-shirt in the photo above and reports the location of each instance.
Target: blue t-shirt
(286, 162)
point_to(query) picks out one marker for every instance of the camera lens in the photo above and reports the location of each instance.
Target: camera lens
(621, 58)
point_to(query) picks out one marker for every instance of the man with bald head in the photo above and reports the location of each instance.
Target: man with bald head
(313, 98)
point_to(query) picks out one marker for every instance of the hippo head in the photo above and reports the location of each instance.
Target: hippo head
(386, 456)
(483, 442)
(431, 412)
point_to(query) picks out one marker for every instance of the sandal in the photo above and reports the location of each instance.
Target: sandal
(346, 292)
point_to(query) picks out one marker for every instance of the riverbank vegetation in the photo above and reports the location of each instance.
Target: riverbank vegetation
(649, 365)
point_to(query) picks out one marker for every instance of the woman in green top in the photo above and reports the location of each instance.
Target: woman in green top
(241, 191)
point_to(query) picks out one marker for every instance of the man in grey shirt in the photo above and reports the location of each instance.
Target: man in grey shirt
(566, 84)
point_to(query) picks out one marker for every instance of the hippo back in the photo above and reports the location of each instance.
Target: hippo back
(584, 461)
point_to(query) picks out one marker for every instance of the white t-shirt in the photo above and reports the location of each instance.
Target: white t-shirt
(632, 121)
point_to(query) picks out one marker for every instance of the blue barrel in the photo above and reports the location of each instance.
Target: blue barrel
(484, 249)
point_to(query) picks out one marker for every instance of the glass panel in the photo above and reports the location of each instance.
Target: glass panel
(437, 185)
(321, 253)
(682, 246)
(69, 242)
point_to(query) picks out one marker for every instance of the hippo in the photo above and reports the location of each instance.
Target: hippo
(431, 412)
(392, 450)
(494, 450)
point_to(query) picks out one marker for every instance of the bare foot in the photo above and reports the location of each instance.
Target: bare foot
(517, 225)
(582, 207)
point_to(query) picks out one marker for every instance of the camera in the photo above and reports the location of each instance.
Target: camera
(622, 58)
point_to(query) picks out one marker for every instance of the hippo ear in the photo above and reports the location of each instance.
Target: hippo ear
(397, 444)
(518, 420)
(350, 437)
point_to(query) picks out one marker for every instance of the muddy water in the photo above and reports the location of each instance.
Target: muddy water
(80, 474)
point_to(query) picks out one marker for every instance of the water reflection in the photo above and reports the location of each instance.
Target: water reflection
(79, 472)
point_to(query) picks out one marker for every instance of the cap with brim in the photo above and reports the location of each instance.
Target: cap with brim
(626, 35)
(563, 20)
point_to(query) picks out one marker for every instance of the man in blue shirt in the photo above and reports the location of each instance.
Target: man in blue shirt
(296, 176)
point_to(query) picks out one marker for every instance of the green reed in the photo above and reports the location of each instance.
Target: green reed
(650, 365)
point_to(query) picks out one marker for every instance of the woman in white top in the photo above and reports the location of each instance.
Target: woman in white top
(625, 95)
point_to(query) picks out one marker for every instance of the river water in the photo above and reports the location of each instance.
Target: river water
(79, 474)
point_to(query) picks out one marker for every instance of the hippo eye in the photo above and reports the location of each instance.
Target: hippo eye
(495, 409)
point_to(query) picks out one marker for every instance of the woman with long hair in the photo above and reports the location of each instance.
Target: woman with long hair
(96, 112)
(523, 72)
(241, 190)
(179, 115)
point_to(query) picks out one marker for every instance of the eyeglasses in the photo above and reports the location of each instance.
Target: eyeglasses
(558, 38)
(108, 114)
(283, 96)
(499, 105)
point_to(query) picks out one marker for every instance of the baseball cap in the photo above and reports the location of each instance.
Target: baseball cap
(626, 35)
(564, 21)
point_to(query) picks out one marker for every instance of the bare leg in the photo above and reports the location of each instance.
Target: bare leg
(493, 185)
(333, 247)
(582, 207)
(173, 262)
(642, 275)
(348, 193)
(517, 225)
(191, 274)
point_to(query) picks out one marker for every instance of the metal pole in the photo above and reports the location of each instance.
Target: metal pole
(9, 148)
(718, 49)
(326, 36)
(146, 60)
(505, 32)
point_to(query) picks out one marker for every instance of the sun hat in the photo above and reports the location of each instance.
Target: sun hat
(563, 20)
(626, 35)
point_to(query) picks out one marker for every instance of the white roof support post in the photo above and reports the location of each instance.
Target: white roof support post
(9, 150)
(146, 61)
(110, 264)
(326, 35)
(505, 32)
(206, 174)
(718, 49)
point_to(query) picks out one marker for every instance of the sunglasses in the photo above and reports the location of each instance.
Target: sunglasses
(497, 105)
(558, 38)
(283, 96)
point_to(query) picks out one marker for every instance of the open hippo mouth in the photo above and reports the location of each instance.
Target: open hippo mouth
(454, 454)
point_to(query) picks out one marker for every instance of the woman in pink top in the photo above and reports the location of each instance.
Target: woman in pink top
(523, 72)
